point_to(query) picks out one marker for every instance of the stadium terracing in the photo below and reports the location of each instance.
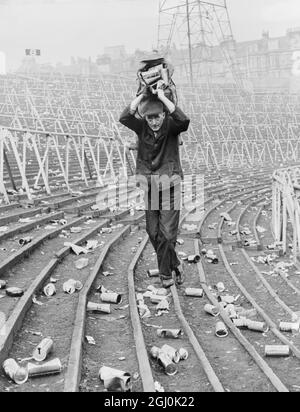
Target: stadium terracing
(75, 120)
(60, 147)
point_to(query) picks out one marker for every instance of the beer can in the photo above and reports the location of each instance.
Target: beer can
(229, 300)
(111, 298)
(167, 364)
(211, 310)
(95, 307)
(289, 327)
(194, 259)
(183, 353)
(15, 372)
(169, 333)
(154, 352)
(52, 367)
(139, 298)
(157, 298)
(277, 350)
(171, 352)
(115, 379)
(49, 290)
(78, 285)
(240, 323)
(69, 287)
(221, 287)
(43, 349)
(221, 330)
(196, 293)
(257, 326)
(161, 292)
(153, 273)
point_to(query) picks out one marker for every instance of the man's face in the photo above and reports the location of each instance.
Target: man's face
(155, 121)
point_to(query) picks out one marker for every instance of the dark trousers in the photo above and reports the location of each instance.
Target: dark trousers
(162, 228)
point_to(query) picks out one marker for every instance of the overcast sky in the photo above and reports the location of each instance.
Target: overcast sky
(64, 28)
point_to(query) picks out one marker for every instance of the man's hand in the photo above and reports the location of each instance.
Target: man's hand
(163, 98)
(160, 94)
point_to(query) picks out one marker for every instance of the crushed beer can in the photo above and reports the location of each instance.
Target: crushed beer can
(169, 333)
(211, 310)
(49, 290)
(115, 380)
(15, 372)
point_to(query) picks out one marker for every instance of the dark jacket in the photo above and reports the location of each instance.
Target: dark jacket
(160, 155)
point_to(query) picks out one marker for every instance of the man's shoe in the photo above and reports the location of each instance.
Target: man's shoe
(167, 283)
(179, 275)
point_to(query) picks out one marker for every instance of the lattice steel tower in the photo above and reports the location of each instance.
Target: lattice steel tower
(198, 36)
